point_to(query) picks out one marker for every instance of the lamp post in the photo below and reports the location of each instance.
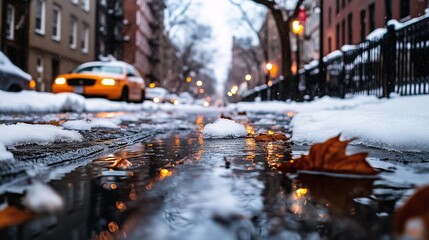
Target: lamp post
(298, 29)
(268, 66)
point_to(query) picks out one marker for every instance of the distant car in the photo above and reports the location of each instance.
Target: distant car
(157, 94)
(12, 78)
(172, 98)
(114, 80)
(186, 98)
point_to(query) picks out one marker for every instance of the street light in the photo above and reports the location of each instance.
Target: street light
(298, 29)
(199, 83)
(248, 77)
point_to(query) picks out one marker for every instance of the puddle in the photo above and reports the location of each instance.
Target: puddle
(180, 186)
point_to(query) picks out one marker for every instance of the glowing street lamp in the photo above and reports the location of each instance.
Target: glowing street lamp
(248, 77)
(199, 83)
(269, 66)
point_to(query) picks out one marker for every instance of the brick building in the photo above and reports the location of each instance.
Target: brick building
(143, 33)
(350, 21)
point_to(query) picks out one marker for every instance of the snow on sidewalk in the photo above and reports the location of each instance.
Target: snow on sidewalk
(22, 134)
(399, 123)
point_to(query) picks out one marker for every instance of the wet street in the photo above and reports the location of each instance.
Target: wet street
(177, 185)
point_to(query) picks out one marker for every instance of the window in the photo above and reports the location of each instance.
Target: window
(73, 32)
(371, 11)
(56, 23)
(329, 44)
(337, 36)
(405, 8)
(362, 25)
(85, 5)
(329, 16)
(10, 22)
(85, 38)
(350, 28)
(40, 16)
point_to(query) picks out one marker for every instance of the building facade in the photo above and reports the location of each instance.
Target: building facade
(62, 37)
(310, 39)
(14, 27)
(109, 28)
(143, 34)
(350, 21)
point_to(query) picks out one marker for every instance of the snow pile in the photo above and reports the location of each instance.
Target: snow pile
(4, 154)
(22, 134)
(103, 123)
(104, 105)
(383, 130)
(41, 198)
(31, 101)
(401, 123)
(81, 125)
(84, 125)
(224, 128)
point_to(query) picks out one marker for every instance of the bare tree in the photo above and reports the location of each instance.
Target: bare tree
(283, 20)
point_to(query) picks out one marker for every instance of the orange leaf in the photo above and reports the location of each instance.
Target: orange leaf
(415, 209)
(11, 216)
(330, 156)
(270, 137)
(122, 163)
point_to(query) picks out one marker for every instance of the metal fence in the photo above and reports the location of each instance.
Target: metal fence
(396, 60)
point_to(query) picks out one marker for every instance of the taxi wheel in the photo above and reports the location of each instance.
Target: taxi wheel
(125, 95)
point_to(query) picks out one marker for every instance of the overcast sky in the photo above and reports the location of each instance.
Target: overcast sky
(224, 18)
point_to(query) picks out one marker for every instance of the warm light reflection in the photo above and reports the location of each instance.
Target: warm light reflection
(164, 173)
(201, 91)
(269, 66)
(301, 192)
(108, 114)
(291, 114)
(270, 132)
(156, 100)
(113, 227)
(120, 205)
(248, 77)
(206, 104)
(113, 186)
(229, 94)
(152, 85)
(297, 27)
(188, 79)
(250, 130)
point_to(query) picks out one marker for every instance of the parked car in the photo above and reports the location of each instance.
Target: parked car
(114, 80)
(157, 94)
(12, 78)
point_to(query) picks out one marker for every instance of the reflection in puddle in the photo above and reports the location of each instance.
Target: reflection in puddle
(180, 186)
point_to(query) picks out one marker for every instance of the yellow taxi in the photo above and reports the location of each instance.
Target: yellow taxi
(114, 80)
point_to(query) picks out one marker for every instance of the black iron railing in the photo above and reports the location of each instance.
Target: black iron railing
(395, 59)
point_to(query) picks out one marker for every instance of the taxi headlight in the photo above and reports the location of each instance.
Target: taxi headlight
(60, 81)
(108, 82)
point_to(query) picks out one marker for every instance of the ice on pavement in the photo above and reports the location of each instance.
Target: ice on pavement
(81, 125)
(398, 123)
(224, 128)
(103, 123)
(22, 134)
(41, 198)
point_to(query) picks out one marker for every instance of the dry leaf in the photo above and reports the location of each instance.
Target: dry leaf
(415, 210)
(330, 156)
(225, 117)
(12, 216)
(122, 163)
(270, 137)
